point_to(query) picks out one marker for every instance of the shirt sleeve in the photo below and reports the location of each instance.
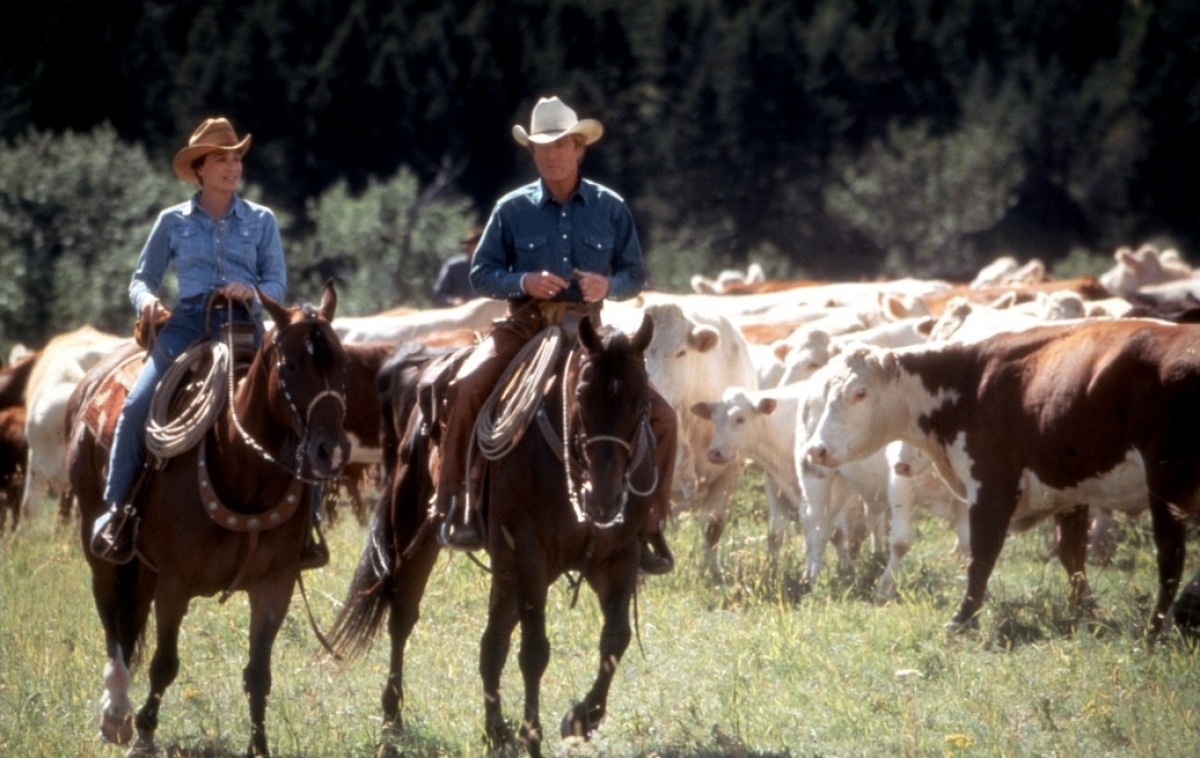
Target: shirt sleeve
(151, 265)
(272, 269)
(628, 275)
(490, 272)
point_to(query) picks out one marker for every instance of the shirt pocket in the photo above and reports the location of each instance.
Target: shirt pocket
(597, 252)
(530, 251)
(243, 243)
(599, 244)
(190, 248)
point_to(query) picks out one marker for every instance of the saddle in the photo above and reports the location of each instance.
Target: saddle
(177, 391)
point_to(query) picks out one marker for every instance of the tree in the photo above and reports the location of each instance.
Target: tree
(384, 245)
(74, 212)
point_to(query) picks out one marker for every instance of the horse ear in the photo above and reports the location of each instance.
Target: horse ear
(328, 301)
(277, 311)
(587, 335)
(645, 332)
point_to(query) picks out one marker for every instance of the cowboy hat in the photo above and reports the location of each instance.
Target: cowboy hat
(553, 120)
(214, 135)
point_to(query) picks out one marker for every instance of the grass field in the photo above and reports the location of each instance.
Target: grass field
(750, 668)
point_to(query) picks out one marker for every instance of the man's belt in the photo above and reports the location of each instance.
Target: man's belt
(553, 312)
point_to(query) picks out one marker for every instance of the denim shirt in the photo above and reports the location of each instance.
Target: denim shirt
(242, 246)
(529, 231)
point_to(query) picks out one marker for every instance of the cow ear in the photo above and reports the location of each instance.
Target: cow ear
(645, 333)
(704, 338)
(328, 301)
(703, 410)
(767, 405)
(279, 314)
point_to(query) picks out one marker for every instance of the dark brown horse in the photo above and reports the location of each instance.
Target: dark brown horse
(547, 513)
(229, 514)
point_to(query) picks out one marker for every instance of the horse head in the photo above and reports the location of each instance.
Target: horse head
(306, 369)
(612, 402)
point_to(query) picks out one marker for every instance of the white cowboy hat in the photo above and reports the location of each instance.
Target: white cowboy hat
(553, 120)
(214, 135)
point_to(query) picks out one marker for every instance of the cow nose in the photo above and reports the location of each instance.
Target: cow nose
(716, 456)
(818, 454)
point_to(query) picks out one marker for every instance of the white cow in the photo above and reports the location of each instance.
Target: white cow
(63, 362)
(694, 356)
(473, 316)
(841, 506)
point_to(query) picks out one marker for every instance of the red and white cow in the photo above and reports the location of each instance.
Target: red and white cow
(1065, 405)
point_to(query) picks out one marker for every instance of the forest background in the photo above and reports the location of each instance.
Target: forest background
(830, 139)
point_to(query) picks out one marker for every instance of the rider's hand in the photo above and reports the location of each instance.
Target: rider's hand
(237, 291)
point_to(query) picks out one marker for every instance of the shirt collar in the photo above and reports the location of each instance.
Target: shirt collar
(584, 193)
(237, 208)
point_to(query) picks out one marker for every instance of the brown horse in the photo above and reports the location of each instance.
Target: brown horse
(550, 508)
(229, 514)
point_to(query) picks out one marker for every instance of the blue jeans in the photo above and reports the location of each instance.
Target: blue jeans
(184, 327)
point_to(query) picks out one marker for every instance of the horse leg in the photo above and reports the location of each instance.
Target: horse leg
(493, 652)
(170, 606)
(269, 603)
(123, 607)
(408, 587)
(122, 619)
(534, 655)
(615, 589)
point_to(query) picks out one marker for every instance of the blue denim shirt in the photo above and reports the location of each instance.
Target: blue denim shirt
(242, 246)
(529, 231)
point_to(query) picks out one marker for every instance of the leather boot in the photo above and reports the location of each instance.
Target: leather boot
(458, 533)
(315, 552)
(114, 534)
(656, 554)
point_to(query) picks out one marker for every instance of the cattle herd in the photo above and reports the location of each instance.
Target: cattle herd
(990, 405)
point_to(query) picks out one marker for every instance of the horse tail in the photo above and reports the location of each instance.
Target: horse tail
(386, 575)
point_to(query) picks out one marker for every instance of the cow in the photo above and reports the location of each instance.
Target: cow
(694, 356)
(469, 318)
(63, 362)
(1135, 269)
(364, 423)
(1064, 404)
(12, 463)
(14, 378)
(763, 426)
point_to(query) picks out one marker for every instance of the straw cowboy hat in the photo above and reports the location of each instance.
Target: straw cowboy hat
(553, 120)
(214, 135)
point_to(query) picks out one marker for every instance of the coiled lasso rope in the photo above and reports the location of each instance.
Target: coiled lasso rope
(167, 437)
(498, 435)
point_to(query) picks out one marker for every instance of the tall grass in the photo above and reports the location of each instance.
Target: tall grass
(749, 668)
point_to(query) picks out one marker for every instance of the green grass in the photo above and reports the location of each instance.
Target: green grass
(751, 668)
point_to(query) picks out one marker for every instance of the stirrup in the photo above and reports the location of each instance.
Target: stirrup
(114, 534)
(459, 536)
(315, 552)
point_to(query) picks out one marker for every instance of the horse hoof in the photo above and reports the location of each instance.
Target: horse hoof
(115, 728)
(144, 747)
(955, 626)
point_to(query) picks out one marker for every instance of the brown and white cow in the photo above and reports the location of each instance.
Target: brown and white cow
(1063, 405)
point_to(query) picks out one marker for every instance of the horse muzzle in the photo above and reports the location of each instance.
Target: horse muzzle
(327, 455)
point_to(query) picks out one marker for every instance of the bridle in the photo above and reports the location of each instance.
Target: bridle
(302, 422)
(636, 449)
